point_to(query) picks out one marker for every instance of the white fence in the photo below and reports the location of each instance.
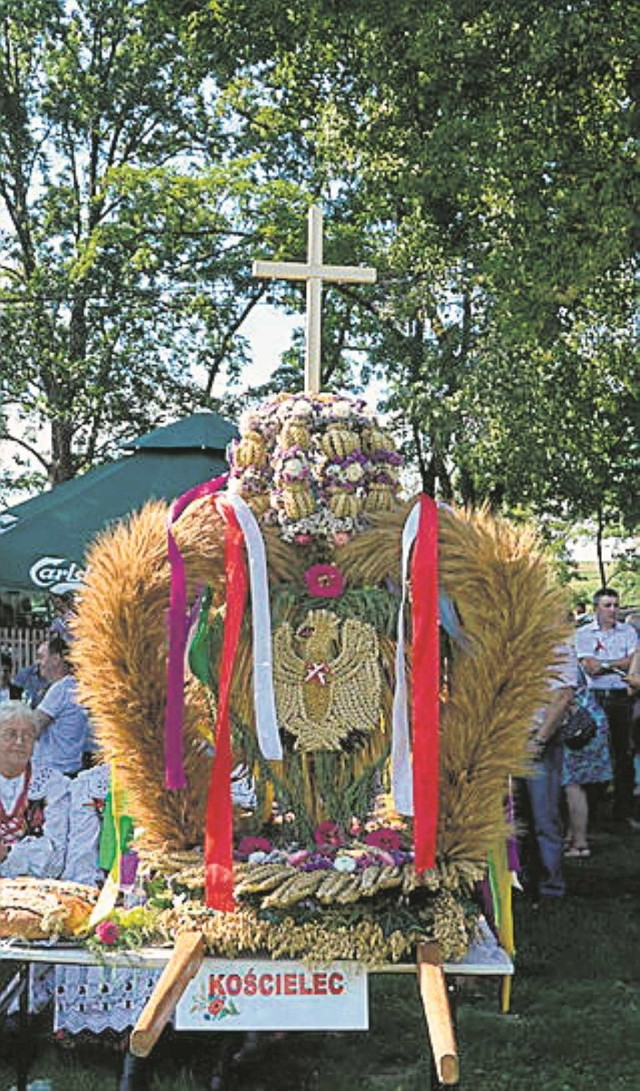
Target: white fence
(23, 644)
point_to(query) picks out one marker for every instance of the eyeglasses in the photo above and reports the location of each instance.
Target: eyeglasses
(16, 734)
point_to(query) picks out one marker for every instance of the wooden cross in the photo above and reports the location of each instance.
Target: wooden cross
(314, 272)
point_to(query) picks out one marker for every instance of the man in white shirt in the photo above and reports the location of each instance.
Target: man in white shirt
(605, 647)
(62, 723)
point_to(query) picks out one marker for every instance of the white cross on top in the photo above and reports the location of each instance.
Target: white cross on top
(314, 272)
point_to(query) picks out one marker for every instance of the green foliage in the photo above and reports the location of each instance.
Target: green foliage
(124, 250)
(482, 158)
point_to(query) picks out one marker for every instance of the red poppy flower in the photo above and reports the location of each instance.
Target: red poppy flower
(384, 838)
(247, 845)
(216, 1006)
(324, 581)
(328, 835)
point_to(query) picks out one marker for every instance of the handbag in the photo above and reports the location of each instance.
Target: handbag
(579, 724)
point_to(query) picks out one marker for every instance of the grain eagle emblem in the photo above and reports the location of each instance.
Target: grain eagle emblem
(327, 680)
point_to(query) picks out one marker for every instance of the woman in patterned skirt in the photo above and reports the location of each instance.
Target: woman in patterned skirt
(591, 765)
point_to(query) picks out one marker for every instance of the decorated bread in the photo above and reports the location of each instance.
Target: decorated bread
(43, 908)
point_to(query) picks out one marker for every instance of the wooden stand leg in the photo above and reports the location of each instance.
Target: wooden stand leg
(184, 963)
(433, 991)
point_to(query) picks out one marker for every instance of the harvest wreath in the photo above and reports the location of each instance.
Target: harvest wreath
(344, 646)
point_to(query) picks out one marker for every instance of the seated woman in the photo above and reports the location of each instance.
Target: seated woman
(34, 807)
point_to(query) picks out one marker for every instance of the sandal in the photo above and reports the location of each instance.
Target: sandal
(576, 851)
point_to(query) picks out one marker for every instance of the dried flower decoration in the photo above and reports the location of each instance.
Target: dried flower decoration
(249, 845)
(384, 838)
(314, 465)
(107, 932)
(328, 835)
(324, 581)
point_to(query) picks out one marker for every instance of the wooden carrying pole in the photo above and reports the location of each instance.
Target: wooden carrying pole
(433, 991)
(184, 963)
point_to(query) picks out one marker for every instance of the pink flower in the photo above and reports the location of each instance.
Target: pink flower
(302, 539)
(107, 932)
(324, 581)
(297, 858)
(247, 845)
(341, 537)
(384, 838)
(328, 835)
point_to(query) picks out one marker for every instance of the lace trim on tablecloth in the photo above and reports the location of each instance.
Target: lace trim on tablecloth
(98, 998)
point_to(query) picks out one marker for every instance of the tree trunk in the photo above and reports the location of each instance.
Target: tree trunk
(63, 464)
(425, 477)
(599, 554)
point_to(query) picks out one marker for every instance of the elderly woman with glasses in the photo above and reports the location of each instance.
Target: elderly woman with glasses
(34, 806)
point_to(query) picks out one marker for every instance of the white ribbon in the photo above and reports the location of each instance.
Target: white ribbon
(401, 772)
(263, 692)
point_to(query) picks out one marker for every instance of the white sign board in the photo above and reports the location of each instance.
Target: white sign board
(238, 994)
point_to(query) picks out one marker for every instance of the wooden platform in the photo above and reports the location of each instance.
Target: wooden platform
(435, 978)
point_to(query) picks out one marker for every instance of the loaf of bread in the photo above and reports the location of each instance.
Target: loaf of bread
(43, 908)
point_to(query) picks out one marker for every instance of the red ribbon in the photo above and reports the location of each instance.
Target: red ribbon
(426, 686)
(218, 843)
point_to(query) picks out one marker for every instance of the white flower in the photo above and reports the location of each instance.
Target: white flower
(257, 857)
(276, 856)
(354, 472)
(301, 409)
(344, 863)
(249, 420)
(293, 466)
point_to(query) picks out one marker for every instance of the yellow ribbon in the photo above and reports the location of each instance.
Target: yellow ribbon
(501, 889)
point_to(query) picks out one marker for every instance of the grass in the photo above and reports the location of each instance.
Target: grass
(574, 1023)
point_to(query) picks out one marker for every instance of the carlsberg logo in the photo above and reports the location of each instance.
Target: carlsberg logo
(56, 574)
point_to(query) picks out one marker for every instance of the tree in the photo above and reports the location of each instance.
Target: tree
(480, 157)
(124, 250)
(483, 156)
